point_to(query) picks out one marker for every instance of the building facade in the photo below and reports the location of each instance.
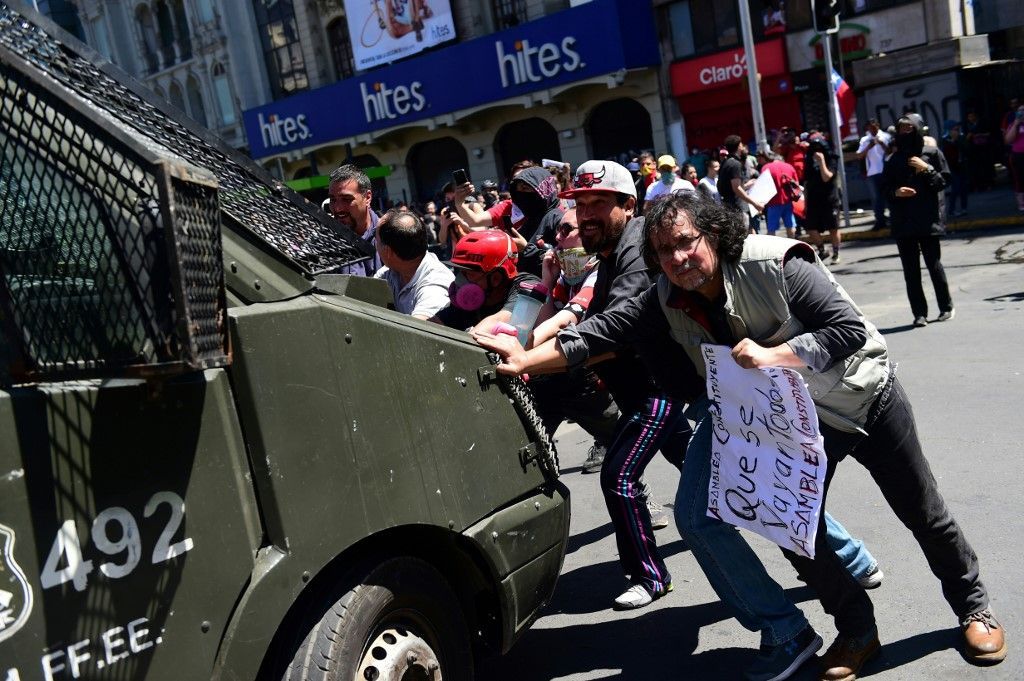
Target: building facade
(518, 80)
(940, 58)
(481, 84)
(212, 59)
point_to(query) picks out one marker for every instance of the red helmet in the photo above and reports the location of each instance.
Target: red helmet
(486, 251)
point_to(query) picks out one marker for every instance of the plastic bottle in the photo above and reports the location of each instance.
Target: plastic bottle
(528, 303)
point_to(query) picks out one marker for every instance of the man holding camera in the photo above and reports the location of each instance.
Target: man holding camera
(874, 147)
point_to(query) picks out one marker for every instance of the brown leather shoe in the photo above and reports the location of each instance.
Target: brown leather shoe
(844, 658)
(984, 642)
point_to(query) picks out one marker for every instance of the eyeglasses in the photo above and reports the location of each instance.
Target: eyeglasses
(684, 244)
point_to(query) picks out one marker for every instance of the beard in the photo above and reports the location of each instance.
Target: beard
(597, 236)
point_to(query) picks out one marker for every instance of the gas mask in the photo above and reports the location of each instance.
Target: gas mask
(573, 262)
(466, 295)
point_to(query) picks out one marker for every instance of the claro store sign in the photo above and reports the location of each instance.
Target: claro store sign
(726, 68)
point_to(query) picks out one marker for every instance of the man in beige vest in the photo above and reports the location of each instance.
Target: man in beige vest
(776, 304)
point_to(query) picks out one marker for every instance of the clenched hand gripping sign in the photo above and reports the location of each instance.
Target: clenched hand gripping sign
(767, 459)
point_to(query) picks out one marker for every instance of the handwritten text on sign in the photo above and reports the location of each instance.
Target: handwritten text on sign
(767, 459)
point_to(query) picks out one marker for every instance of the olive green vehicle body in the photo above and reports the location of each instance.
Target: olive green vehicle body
(342, 433)
(186, 524)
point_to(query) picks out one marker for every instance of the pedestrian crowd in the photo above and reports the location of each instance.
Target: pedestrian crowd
(602, 284)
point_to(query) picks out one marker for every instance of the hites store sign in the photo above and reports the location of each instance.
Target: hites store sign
(601, 37)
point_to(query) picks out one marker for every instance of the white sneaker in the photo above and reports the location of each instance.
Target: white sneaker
(637, 596)
(873, 579)
(659, 518)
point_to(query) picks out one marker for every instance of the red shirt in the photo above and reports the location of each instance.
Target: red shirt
(793, 154)
(499, 212)
(781, 173)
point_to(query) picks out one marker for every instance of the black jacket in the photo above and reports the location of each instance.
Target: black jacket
(925, 213)
(542, 217)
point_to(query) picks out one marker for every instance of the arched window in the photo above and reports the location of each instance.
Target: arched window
(166, 27)
(181, 29)
(282, 49)
(147, 37)
(508, 13)
(617, 127)
(341, 48)
(225, 97)
(100, 37)
(532, 138)
(195, 100)
(431, 164)
(204, 8)
(176, 96)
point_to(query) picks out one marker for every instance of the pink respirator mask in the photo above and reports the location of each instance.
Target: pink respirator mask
(466, 295)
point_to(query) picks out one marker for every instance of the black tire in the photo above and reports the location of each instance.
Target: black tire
(399, 621)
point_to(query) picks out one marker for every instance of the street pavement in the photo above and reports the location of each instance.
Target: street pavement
(964, 378)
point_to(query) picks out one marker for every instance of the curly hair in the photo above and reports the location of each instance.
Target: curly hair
(724, 225)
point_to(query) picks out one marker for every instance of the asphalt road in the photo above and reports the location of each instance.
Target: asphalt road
(964, 378)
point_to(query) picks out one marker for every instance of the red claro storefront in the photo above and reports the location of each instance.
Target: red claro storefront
(714, 96)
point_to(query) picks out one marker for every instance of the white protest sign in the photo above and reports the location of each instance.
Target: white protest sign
(767, 458)
(763, 190)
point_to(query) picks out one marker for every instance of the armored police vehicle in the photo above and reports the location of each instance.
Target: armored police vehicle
(217, 459)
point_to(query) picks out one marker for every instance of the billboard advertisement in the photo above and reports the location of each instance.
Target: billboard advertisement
(385, 30)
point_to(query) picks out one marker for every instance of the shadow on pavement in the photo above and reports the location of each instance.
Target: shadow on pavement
(578, 541)
(899, 653)
(661, 639)
(896, 329)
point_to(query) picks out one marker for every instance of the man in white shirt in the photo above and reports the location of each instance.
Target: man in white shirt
(874, 147)
(708, 184)
(418, 280)
(667, 183)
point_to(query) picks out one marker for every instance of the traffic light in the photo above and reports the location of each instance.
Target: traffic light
(826, 15)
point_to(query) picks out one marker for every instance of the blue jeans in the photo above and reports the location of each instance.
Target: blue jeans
(852, 553)
(733, 569)
(877, 198)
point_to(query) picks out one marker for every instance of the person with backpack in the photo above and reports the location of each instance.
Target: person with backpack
(787, 191)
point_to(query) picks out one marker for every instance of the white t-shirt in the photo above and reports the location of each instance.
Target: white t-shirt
(709, 186)
(426, 294)
(876, 155)
(659, 188)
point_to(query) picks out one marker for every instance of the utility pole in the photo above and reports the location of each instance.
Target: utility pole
(833, 120)
(756, 111)
(826, 23)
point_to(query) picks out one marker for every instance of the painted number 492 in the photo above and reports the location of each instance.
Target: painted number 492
(76, 570)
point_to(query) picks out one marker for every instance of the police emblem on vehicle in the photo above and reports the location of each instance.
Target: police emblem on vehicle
(15, 592)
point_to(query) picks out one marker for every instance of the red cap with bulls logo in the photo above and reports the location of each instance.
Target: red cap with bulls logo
(601, 176)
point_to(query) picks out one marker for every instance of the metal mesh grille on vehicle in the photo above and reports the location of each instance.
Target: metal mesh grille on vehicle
(109, 249)
(274, 213)
(526, 407)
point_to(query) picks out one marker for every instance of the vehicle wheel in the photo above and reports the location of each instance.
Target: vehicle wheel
(401, 623)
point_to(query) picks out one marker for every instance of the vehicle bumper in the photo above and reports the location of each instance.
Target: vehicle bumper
(526, 544)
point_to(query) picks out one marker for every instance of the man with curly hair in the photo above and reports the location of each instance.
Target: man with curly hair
(776, 304)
